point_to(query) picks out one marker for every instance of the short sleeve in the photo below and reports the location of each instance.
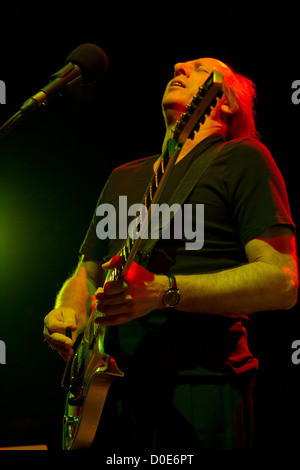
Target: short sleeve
(92, 246)
(256, 190)
(127, 180)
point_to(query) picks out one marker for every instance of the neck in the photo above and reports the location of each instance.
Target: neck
(214, 127)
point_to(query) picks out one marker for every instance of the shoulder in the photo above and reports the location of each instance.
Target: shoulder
(136, 165)
(246, 147)
(129, 178)
(249, 155)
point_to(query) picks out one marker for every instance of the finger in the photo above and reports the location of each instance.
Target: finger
(66, 356)
(61, 344)
(111, 310)
(58, 321)
(54, 327)
(57, 330)
(62, 349)
(58, 340)
(111, 288)
(115, 287)
(65, 353)
(114, 262)
(116, 299)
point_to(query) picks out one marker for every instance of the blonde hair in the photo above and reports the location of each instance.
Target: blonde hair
(241, 94)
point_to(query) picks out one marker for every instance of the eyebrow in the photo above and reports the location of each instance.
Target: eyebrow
(198, 64)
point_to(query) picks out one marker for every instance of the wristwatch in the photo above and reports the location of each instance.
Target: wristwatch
(172, 297)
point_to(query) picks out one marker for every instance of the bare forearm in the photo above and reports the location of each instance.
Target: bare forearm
(246, 289)
(72, 305)
(76, 293)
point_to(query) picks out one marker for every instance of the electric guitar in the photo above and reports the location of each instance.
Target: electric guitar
(90, 372)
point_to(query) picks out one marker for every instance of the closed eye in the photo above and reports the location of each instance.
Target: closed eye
(198, 67)
(201, 69)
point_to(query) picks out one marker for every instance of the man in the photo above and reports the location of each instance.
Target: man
(188, 369)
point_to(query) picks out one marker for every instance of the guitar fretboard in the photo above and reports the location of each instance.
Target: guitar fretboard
(147, 199)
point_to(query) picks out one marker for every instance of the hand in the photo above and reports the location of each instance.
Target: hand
(133, 296)
(55, 324)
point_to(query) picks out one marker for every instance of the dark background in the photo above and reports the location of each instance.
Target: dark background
(53, 166)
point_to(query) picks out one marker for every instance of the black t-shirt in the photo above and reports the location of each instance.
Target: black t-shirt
(244, 194)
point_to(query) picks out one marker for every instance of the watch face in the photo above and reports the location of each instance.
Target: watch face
(172, 298)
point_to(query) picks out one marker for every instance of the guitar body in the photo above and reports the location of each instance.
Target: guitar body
(91, 371)
(81, 419)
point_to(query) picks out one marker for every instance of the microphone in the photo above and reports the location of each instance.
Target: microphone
(84, 65)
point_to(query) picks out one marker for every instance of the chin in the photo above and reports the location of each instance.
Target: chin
(177, 106)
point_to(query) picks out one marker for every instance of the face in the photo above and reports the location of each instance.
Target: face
(188, 77)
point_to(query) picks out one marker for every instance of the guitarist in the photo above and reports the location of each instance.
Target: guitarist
(180, 319)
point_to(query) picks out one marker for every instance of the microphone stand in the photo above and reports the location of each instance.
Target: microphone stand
(11, 123)
(68, 76)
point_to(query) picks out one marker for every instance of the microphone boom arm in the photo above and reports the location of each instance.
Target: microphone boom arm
(69, 75)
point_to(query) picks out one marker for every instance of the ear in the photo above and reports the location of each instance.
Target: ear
(229, 108)
(226, 109)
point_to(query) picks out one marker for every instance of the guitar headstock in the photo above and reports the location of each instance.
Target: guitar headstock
(199, 108)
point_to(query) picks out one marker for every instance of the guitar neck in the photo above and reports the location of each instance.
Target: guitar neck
(152, 195)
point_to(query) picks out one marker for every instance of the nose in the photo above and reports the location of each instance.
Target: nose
(181, 68)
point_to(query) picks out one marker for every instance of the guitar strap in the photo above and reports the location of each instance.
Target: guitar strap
(192, 176)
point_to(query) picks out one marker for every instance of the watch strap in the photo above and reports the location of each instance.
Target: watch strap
(172, 282)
